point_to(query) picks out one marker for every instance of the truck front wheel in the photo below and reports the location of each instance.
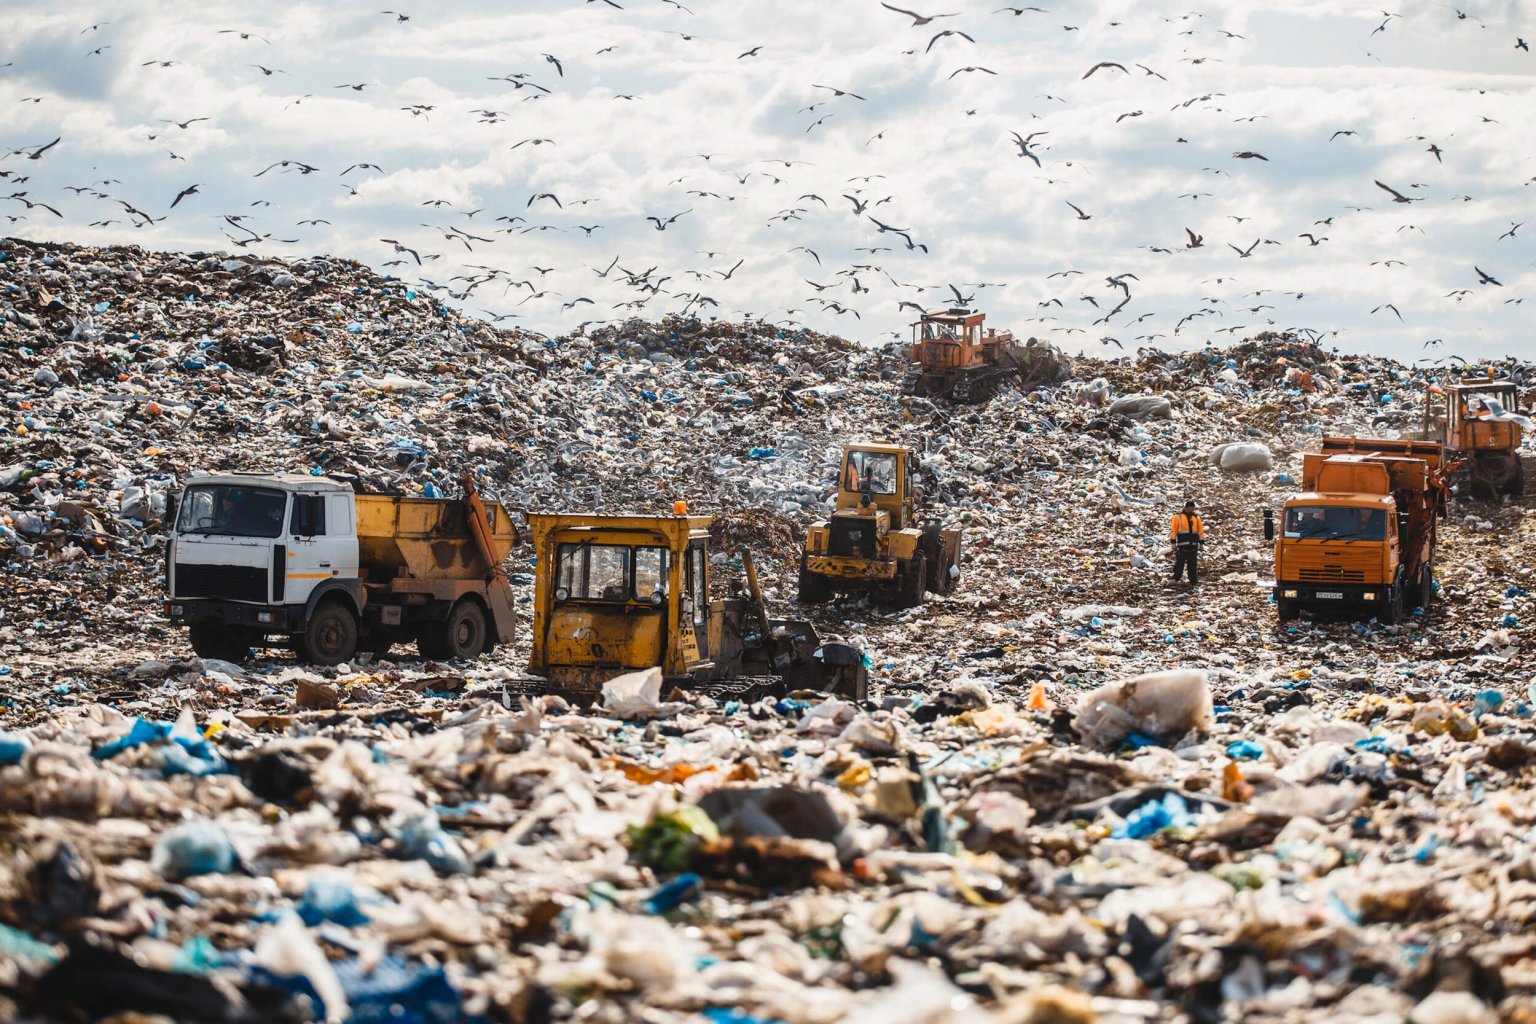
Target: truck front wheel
(332, 635)
(1290, 611)
(226, 643)
(462, 636)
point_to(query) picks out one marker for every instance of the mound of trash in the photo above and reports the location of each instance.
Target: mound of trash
(1077, 793)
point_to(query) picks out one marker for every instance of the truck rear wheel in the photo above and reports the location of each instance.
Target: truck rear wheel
(814, 588)
(462, 636)
(1426, 595)
(332, 635)
(1289, 610)
(913, 581)
(226, 643)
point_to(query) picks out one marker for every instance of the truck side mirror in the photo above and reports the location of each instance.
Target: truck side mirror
(1269, 524)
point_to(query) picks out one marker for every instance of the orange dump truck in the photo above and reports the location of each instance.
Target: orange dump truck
(1361, 537)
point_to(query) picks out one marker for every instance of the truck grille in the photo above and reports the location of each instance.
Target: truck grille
(226, 582)
(1331, 574)
(852, 538)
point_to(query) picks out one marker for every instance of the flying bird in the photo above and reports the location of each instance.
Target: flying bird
(750, 53)
(1023, 144)
(918, 20)
(661, 225)
(1195, 241)
(1104, 64)
(1513, 227)
(190, 190)
(1080, 214)
(37, 153)
(1250, 155)
(1243, 254)
(948, 32)
(1393, 308)
(1397, 197)
(1483, 277)
(838, 92)
(957, 71)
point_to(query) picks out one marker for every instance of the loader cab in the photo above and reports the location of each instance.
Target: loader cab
(875, 482)
(1473, 411)
(617, 594)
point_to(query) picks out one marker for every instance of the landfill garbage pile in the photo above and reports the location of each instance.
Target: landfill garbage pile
(1077, 793)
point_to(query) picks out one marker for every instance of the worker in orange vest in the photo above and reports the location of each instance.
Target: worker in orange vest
(1187, 534)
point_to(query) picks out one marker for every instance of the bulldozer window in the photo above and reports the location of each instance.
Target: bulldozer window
(650, 572)
(874, 472)
(611, 572)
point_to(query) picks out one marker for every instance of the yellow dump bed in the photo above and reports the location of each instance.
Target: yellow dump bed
(427, 538)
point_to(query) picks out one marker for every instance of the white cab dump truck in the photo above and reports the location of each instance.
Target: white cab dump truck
(261, 560)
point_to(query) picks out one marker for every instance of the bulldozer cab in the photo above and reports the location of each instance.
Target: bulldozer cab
(878, 478)
(619, 593)
(951, 340)
(1476, 415)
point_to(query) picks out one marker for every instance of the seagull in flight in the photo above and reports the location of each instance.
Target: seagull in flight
(918, 20)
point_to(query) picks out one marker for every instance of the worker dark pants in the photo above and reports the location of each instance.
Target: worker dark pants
(1185, 556)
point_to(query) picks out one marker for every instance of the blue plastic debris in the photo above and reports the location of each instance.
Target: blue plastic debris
(1154, 816)
(330, 899)
(13, 747)
(673, 894)
(1244, 750)
(391, 991)
(195, 848)
(1486, 701)
(423, 838)
(762, 453)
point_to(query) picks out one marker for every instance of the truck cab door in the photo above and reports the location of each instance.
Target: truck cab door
(322, 544)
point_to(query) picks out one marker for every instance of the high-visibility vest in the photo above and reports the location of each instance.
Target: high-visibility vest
(1186, 530)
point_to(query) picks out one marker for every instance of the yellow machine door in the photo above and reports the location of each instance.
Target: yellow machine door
(693, 615)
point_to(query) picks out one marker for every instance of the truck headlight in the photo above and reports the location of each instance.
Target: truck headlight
(562, 594)
(1370, 595)
(1289, 593)
(177, 609)
(265, 618)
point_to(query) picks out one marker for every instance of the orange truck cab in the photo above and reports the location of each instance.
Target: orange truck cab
(1360, 539)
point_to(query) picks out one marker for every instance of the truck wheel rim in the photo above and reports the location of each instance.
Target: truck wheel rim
(464, 634)
(329, 638)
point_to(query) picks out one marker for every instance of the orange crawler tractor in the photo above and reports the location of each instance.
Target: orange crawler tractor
(953, 357)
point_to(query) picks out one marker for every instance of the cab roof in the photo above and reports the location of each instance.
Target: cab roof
(284, 481)
(880, 447)
(1334, 499)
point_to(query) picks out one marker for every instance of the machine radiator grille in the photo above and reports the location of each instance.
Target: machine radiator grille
(1331, 574)
(226, 582)
(852, 538)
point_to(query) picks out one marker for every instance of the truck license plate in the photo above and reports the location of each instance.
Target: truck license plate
(1331, 594)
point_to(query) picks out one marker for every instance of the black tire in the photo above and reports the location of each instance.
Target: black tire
(332, 635)
(1426, 594)
(379, 642)
(1289, 610)
(1514, 485)
(1396, 611)
(226, 643)
(462, 636)
(932, 547)
(912, 582)
(814, 588)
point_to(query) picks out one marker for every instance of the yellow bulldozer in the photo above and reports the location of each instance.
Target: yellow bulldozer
(617, 594)
(874, 541)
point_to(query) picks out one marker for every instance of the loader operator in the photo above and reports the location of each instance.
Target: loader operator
(1187, 533)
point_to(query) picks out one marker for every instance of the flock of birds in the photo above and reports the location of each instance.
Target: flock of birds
(863, 282)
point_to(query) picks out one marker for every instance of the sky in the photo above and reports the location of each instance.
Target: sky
(1078, 173)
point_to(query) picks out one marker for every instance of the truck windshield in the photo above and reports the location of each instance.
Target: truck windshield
(874, 472)
(1333, 522)
(232, 510)
(611, 572)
